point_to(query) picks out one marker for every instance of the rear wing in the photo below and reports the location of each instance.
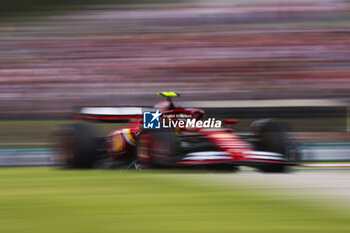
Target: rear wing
(110, 114)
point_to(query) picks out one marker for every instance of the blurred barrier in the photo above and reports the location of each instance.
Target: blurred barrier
(325, 152)
(26, 157)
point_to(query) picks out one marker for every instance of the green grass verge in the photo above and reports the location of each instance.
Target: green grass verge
(52, 200)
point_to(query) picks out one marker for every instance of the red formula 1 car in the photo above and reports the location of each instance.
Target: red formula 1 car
(269, 147)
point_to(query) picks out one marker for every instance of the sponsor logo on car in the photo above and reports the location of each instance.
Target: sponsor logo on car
(151, 120)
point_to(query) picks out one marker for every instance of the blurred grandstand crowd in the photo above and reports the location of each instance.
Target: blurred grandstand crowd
(120, 55)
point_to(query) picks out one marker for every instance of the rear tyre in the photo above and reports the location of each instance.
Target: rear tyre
(79, 146)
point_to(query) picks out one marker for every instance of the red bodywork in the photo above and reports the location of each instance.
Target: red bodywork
(121, 143)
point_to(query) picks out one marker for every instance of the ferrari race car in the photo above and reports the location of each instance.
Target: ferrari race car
(172, 137)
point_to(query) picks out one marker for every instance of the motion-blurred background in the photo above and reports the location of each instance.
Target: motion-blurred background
(244, 59)
(238, 59)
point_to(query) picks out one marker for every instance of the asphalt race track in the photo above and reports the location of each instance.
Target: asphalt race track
(324, 178)
(328, 188)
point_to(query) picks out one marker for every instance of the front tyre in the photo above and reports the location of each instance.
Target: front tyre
(276, 137)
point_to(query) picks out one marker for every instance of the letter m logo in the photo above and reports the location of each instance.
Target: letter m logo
(151, 122)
